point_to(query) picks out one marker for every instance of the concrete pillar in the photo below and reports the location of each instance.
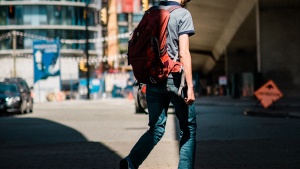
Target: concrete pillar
(280, 41)
(112, 28)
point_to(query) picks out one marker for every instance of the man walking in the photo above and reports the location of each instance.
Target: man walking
(180, 27)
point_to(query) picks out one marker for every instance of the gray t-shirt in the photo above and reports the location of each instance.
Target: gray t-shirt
(180, 23)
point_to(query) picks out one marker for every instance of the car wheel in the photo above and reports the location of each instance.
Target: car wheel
(28, 107)
(27, 110)
(31, 106)
(23, 108)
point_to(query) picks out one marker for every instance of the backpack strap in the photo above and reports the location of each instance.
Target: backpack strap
(182, 80)
(172, 8)
(169, 9)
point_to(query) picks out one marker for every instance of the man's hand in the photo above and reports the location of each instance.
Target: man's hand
(186, 60)
(190, 96)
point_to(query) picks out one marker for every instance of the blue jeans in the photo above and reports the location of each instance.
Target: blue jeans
(158, 99)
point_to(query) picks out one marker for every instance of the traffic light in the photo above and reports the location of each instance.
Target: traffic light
(104, 15)
(145, 5)
(84, 14)
(82, 65)
(11, 12)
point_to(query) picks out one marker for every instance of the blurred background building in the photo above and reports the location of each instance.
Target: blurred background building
(39, 20)
(238, 45)
(71, 22)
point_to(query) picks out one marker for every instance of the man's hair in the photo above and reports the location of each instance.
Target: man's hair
(182, 5)
(184, 0)
(187, 0)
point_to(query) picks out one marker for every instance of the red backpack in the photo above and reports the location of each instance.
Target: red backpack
(147, 49)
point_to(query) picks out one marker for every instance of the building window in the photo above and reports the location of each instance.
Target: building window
(45, 15)
(3, 14)
(137, 18)
(122, 17)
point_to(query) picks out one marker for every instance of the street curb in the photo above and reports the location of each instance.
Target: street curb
(225, 104)
(271, 113)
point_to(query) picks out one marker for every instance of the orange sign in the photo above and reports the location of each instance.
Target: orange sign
(268, 94)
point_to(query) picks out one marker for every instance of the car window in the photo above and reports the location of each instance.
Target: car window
(21, 82)
(24, 85)
(13, 88)
(8, 88)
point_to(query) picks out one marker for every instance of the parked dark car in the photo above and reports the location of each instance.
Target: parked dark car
(11, 98)
(24, 90)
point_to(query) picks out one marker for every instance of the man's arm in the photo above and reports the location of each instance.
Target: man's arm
(185, 59)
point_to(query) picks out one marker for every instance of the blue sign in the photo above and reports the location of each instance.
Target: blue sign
(94, 85)
(46, 59)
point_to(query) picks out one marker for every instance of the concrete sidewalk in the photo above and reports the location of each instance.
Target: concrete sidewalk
(80, 134)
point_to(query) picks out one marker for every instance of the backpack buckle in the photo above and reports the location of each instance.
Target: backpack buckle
(152, 80)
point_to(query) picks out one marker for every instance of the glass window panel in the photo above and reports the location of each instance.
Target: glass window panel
(27, 15)
(11, 13)
(123, 29)
(69, 15)
(91, 18)
(57, 15)
(43, 15)
(19, 14)
(35, 15)
(137, 17)
(4, 44)
(3, 15)
(48, 15)
(122, 17)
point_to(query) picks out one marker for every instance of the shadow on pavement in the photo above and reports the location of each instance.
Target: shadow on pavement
(221, 145)
(31, 143)
(248, 154)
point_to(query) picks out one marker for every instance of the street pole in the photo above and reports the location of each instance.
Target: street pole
(87, 51)
(130, 27)
(14, 73)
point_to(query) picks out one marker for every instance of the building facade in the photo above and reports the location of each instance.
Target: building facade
(67, 20)
(71, 22)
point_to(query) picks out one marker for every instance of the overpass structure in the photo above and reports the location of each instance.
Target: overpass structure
(249, 42)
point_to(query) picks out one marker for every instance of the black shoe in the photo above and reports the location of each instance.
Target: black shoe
(126, 164)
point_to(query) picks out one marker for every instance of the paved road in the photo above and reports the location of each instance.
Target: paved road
(97, 134)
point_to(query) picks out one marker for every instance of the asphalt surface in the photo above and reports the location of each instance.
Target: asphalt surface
(98, 133)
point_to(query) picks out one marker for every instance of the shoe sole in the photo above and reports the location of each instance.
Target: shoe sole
(124, 164)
